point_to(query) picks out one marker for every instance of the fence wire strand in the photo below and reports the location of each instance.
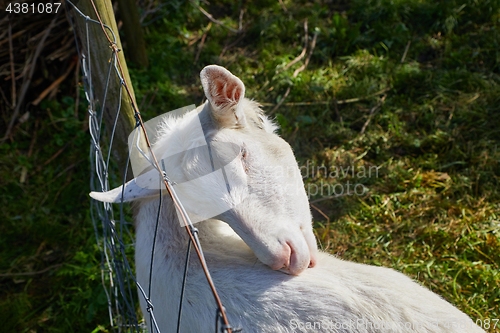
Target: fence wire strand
(114, 237)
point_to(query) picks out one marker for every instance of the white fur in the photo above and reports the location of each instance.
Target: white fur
(270, 227)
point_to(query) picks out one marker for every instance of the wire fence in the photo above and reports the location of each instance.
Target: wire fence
(114, 234)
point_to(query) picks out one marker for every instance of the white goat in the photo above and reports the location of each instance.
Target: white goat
(267, 232)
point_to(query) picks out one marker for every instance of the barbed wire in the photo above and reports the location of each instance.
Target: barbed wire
(112, 235)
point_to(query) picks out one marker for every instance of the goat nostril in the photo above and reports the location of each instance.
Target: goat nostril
(313, 260)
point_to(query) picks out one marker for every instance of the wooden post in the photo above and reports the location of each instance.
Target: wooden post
(134, 37)
(97, 51)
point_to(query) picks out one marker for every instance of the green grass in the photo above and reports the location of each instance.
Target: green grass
(431, 211)
(45, 225)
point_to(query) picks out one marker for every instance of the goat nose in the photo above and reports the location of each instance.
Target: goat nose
(293, 258)
(300, 258)
(296, 261)
(283, 261)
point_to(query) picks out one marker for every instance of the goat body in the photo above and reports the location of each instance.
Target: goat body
(261, 251)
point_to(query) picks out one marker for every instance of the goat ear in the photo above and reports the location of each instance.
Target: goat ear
(224, 92)
(131, 191)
